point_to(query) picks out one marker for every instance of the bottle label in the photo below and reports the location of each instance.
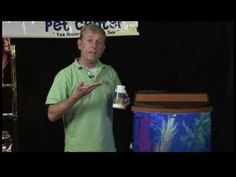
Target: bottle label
(118, 101)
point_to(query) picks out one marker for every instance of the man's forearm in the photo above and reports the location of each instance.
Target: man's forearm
(56, 111)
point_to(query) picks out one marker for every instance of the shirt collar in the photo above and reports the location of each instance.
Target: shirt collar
(79, 66)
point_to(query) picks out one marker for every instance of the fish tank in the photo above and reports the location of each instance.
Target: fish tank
(171, 122)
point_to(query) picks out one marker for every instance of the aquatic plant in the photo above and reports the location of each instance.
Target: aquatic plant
(168, 131)
(197, 138)
(144, 133)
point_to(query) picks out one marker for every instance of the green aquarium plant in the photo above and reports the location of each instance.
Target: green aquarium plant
(168, 131)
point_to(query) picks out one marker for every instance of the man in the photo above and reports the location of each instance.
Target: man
(82, 95)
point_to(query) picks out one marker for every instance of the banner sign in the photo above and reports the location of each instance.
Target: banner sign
(64, 29)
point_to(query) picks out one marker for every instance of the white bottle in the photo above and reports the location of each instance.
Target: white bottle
(119, 96)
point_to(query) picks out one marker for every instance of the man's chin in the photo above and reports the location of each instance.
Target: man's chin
(93, 59)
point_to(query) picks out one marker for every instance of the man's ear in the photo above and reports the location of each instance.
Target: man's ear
(104, 47)
(79, 44)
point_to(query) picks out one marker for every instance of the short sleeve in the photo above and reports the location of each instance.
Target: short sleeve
(116, 78)
(59, 89)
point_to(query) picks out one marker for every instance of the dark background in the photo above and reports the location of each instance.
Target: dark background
(179, 56)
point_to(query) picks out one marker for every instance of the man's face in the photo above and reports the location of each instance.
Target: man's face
(92, 45)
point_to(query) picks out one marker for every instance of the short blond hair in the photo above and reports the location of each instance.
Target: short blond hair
(94, 28)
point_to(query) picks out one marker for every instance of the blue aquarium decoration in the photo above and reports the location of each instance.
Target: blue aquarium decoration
(167, 132)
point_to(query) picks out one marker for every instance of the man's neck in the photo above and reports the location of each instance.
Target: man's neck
(86, 63)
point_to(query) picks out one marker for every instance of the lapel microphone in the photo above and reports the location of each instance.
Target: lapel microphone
(90, 75)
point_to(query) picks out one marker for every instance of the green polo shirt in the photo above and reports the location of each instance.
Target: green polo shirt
(88, 124)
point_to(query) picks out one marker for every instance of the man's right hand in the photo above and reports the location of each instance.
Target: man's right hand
(83, 90)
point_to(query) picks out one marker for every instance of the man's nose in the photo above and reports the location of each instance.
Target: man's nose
(94, 44)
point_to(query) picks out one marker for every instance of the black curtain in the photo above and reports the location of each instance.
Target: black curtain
(166, 56)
